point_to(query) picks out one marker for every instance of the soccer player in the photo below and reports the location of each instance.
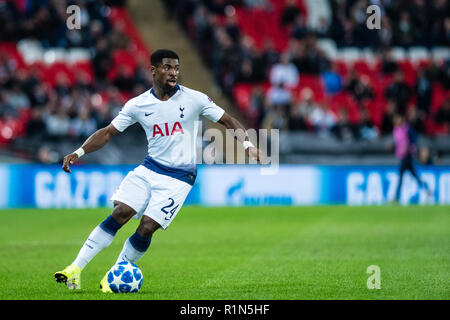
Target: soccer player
(405, 148)
(156, 189)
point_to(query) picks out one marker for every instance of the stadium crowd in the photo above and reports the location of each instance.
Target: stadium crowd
(235, 58)
(68, 108)
(75, 108)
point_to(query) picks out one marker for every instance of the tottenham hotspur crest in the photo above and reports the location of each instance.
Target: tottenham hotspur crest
(181, 109)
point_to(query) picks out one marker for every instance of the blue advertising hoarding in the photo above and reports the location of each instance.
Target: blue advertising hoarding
(47, 186)
(317, 185)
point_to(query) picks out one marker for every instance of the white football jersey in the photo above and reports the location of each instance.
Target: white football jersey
(171, 127)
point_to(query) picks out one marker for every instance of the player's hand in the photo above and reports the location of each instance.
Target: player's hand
(69, 160)
(255, 154)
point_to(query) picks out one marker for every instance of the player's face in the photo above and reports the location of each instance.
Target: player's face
(166, 73)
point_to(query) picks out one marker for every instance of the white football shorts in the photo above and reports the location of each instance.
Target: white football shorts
(157, 196)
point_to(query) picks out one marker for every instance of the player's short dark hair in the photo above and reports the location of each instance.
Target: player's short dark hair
(157, 56)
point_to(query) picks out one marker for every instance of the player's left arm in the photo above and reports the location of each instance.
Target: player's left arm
(241, 135)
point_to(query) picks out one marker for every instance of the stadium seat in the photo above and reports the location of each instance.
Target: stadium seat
(329, 47)
(417, 54)
(85, 67)
(349, 54)
(75, 55)
(398, 53)
(30, 50)
(54, 55)
(314, 83)
(438, 97)
(439, 54)
(242, 94)
(368, 55)
(409, 71)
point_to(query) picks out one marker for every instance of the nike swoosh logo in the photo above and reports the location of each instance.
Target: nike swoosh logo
(148, 113)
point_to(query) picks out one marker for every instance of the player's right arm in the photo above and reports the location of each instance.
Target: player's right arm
(95, 142)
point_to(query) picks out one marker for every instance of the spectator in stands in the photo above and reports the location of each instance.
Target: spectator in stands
(367, 130)
(48, 25)
(446, 33)
(279, 95)
(102, 60)
(82, 126)
(205, 24)
(275, 118)
(300, 29)
(114, 98)
(225, 59)
(35, 127)
(446, 75)
(17, 99)
(323, 27)
(95, 34)
(424, 91)
(46, 155)
(57, 125)
(82, 82)
(332, 80)
(260, 69)
(142, 74)
(322, 120)
(306, 105)
(79, 99)
(399, 92)
(259, 4)
(359, 87)
(246, 72)
(308, 57)
(296, 120)
(232, 28)
(289, 14)
(118, 39)
(38, 95)
(348, 37)
(125, 80)
(425, 157)
(62, 85)
(404, 30)
(416, 119)
(385, 34)
(388, 64)
(342, 128)
(418, 10)
(387, 122)
(6, 109)
(257, 106)
(442, 116)
(284, 72)
(270, 56)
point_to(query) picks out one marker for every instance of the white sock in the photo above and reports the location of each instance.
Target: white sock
(96, 242)
(129, 253)
(134, 248)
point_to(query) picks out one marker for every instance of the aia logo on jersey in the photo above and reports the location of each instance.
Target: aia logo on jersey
(164, 131)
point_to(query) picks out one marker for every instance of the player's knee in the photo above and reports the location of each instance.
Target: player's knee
(122, 213)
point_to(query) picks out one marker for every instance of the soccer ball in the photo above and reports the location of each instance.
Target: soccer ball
(125, 277)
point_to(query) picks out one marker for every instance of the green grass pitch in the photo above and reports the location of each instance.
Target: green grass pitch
(240, 253)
